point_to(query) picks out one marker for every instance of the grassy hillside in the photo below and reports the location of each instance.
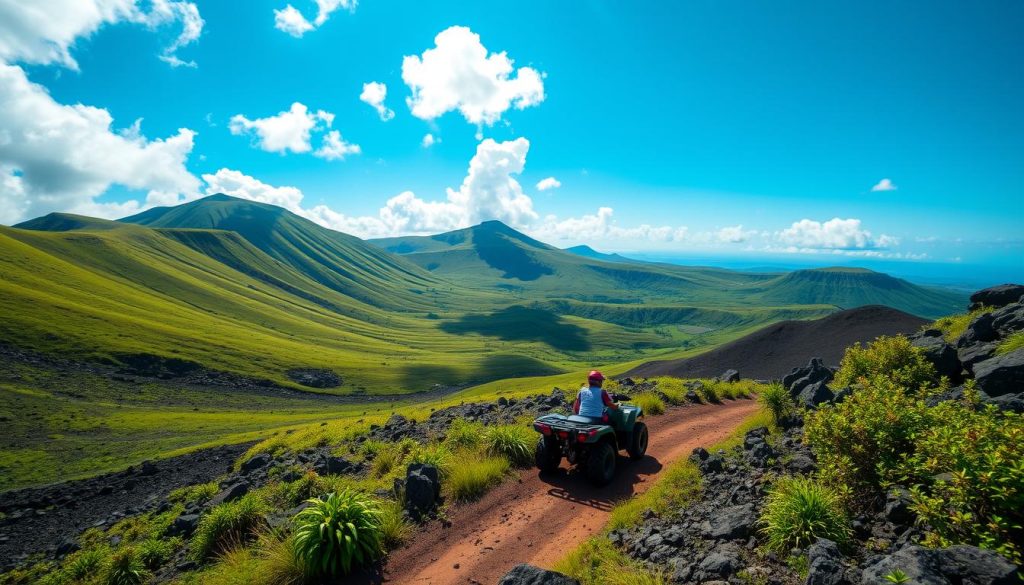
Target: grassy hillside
(848, 288)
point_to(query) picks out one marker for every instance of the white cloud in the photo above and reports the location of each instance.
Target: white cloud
(834, 234)
(602, 227)
(55, 157)
(374, 94)
(548, 183)
(459, 74)
(429, 140)
(291, 131)
(334, 147)
(238, 184)
(734, 235)
(884, 185)
(44, 32)
(291, 21)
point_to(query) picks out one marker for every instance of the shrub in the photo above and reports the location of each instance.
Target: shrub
(437, 455)
(892, 357)
(194, 493)
(1013, 342)
(338, 533)
(650, 403)
(776, 400)
(464, 434)
(227, 524)
(472, 477)
(598, 562)
(371, 447)
(798, 511)
(126, 568)
(86, 563)
(708, 393)
(861, 441)
(394, 527)
(514, 442)
(154, 552)
(954, 326)
(980, 500)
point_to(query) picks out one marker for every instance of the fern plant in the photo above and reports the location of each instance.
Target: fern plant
(338, 533)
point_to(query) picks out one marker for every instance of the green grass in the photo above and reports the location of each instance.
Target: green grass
(471, 479)
(598, 562)
(228, 525)
(1012, 343)
(650, 403)
(953, 326)
(798, 511)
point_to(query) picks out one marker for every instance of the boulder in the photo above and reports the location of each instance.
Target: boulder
(729, 375)
(336, 466)
(530, 575)
(980, 330)
(997, 296)
(736, 522)
(972, 355)
(897, 507)
(815, 371)
(1008, 319)
(257, 461)
(941, 354)
(825, 563)
(814, 394)
(422, 488)
(956, 565)
(230, 493)
(183, 525)
(1009, 402)
(706, 462)
(148, 468)
(1002, 374)
(722, 561)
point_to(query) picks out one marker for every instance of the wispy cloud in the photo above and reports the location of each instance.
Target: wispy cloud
(884, 185)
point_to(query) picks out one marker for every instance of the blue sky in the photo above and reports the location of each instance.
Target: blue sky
(728, 129)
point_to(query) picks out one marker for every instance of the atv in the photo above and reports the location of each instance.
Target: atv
(591, 443)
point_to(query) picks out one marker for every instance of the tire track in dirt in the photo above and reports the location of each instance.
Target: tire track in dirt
(539, 518)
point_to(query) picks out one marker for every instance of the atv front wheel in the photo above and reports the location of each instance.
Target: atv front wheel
(547, 456)
(601, 464)
(638, 442)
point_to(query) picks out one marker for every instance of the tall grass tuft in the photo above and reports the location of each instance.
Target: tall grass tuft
(227, 524)
(463, 434)
(514, 442)
(126, 568)
(651, 404)
(798, 511)
(472, 478)
(776, 400)
(395, 529)
(338, 533)
(598, 562)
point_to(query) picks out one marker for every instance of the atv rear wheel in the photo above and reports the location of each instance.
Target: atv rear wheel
(547, 455)
(638, 442)
(601, 464)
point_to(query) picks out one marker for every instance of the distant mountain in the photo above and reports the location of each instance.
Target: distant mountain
(847, 288)
(333, 259)
(588, 252)
(771, 352)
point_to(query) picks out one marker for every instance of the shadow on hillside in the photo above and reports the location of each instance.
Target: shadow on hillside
(523, 324)
(419, 377)
(506, 256)
(573, 487)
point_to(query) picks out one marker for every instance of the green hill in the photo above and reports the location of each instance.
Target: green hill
(848, 288)
(588, 252)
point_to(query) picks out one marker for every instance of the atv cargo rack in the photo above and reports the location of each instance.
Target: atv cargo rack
(553, 425)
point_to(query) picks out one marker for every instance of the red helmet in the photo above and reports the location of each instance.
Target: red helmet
(595, 375)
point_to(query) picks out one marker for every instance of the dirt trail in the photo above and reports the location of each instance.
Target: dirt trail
(538, 519)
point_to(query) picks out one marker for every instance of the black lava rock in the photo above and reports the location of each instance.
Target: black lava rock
(959, 565)
(997, 296)
(530, 575)
(1002, 374)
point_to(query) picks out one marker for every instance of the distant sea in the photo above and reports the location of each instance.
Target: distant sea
(958, 276)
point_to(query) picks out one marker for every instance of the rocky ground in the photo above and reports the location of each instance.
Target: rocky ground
(715, 541)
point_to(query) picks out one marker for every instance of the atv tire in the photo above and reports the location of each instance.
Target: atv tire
(547, 455)
(601, 464)
(638, 442)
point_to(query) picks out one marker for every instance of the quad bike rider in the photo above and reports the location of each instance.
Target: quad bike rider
(594, 434)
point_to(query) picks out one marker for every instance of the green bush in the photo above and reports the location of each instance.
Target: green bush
(708, 393)
(126, 568)
(979, 454)
(338, 533)
(227, 524)
(514, 442)
(464, 434)
(650, 403)
(437, 455)
(776, 400)
(473, 477)
(861, 441)
(892, 357)
(798, 511)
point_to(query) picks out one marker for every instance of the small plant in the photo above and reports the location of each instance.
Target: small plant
(470, 479)
(227, 524)
(394, 527)
(194, 493)
(437, 455)
(954, 326)
(280, 564)
(86, 563)
(464, 434)
(513, 442)
(892, 357)
(776, 399)
(897, 576)
(337, 533)
(154, 552)
(126, 568)
(1013, 342)
(799, 511)
(650, 403)
(708, 393)
(387, 460)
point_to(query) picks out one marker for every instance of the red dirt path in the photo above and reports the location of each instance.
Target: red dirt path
(539, 519)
